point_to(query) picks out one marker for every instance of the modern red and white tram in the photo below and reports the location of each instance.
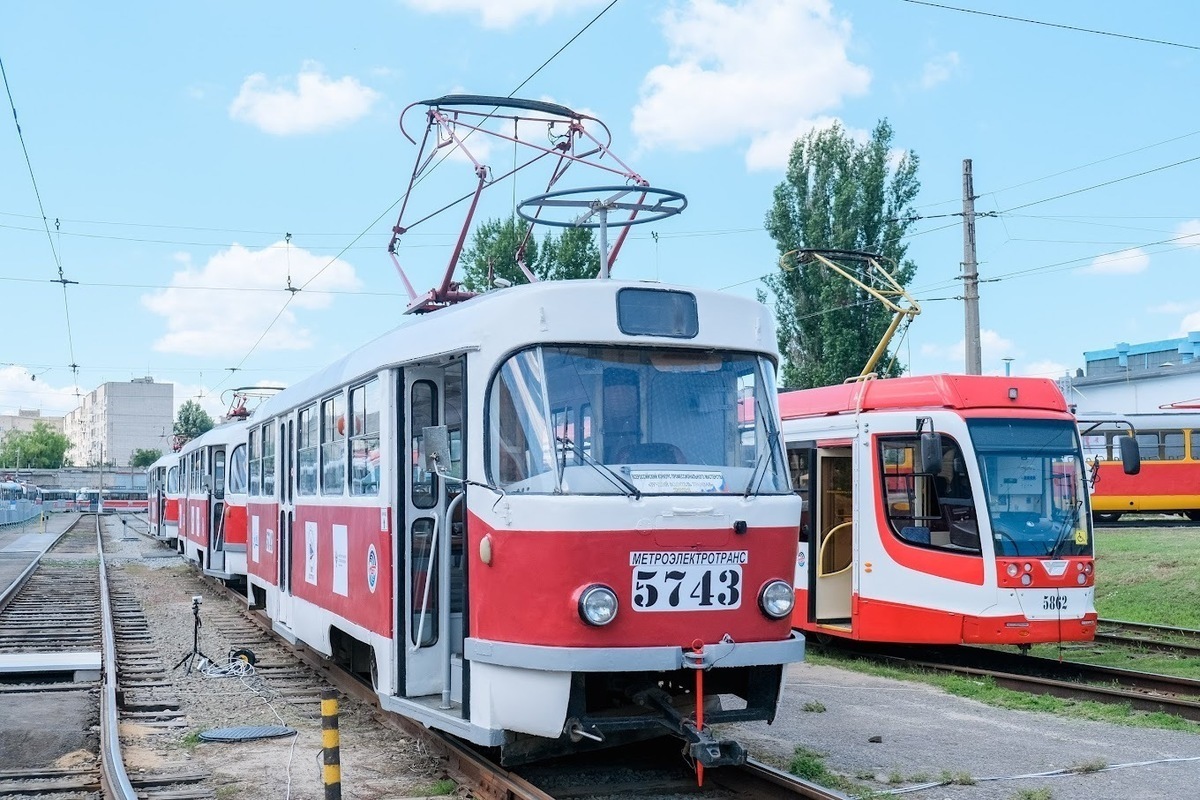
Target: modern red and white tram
(212, 511)
(164, 497)
(546, 517)
(943, 509)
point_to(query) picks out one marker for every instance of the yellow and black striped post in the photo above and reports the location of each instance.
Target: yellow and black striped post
(331, 743)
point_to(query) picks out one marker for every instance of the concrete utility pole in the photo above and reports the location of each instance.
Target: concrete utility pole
(970, 274)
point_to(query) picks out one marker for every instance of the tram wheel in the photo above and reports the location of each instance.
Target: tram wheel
(1106, 517)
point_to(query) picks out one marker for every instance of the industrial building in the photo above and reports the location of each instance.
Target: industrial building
(1138, 378)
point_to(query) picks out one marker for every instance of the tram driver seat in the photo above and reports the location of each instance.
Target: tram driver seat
(650, 453)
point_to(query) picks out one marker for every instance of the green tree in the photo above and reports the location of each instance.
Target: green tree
(41, 448)
(496, 244)
(191, 421)
(142, 458)
(846, 195)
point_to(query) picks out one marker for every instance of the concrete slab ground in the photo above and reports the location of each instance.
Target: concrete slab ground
(874, 726)
(38, 728)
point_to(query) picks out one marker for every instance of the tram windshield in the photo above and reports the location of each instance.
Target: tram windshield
(616, 420)
(1033, 477)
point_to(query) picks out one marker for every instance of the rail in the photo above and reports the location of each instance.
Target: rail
(115, 778)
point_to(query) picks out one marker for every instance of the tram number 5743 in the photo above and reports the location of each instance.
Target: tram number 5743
(684, 589)
(1054, 602)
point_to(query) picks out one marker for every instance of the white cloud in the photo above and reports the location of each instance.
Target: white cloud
(1125, 262)
(500, 13)
(1190, 230)
(1189, 323)
(205, 316)
(1172, 307)
(756, 70)
(21, 388)
(939, 70)
(1040, 369)
(993, 349)
(317, 102)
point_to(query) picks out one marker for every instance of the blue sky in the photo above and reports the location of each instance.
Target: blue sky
(177, 145)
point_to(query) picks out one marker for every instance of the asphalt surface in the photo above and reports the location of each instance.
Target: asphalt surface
(888, 735)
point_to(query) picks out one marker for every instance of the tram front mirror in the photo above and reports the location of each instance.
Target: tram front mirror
(1131, 456)
(437, 448)
(930, 453)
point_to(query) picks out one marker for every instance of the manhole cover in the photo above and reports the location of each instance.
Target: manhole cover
(246, 733)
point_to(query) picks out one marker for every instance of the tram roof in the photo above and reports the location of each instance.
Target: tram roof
(504, 320)
(959, 392)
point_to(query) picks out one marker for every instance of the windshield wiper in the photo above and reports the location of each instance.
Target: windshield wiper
(765, 457)
(1067, 525)
(614, 477)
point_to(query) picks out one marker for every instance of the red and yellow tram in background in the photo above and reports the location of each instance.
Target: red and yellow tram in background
(1169, 481)
(941, 509)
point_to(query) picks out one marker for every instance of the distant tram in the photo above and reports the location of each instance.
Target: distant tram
(1169, 447)
(941, 509)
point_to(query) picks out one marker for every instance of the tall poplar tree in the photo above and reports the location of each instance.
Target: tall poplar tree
(840, 194)
(494, 243)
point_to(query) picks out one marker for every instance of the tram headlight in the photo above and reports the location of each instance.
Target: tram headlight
(1012, 570)
(776, 599)
(1026, 579)
(598, 605)
(1081, 579)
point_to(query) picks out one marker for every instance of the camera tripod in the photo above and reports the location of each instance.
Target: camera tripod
(190, 658)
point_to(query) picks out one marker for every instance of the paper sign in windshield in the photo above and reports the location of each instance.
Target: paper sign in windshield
(655, 481)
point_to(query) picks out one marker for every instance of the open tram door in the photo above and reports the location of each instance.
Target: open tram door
(832, 548)
(215, 557)
(286, 432)
(430, 565)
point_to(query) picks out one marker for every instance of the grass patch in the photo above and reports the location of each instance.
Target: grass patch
(190, 740)
(815, 707)
(809, 765)
(438, 788)
(1149, 575)
(1033, 794)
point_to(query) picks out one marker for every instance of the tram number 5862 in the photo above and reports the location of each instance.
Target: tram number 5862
(1054, 602)
(684, 589)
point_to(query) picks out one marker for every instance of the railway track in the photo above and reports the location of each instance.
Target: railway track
(1143, 691)
(77, 655)
(1140, 635)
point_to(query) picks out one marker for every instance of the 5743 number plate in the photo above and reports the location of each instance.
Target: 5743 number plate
(690, 581)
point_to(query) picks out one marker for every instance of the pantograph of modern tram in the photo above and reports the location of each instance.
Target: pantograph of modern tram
(544, 518)
(1169, 447)
(943, 509)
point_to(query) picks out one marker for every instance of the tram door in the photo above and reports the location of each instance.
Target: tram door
(287, 517)
(430, 596)
(834, 542)
(216, 506)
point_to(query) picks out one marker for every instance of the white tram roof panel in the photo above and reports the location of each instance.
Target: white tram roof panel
(505, 320)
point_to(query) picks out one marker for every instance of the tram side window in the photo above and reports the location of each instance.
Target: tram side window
(364, 438)
(306, 451)
(268, 460)
(333, 445)
(422, 414)
(218, 485)
(255, 464)
(1194, 444)
(521, 446)
(798, 462)
(933, 508)
(173, 480)
(1160, 445)
(237, 470)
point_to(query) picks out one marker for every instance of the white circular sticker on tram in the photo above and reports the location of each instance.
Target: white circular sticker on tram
(372, 568)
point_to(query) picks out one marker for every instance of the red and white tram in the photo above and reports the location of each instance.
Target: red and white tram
(164, 497)
(212, 516)
(941, 509)
(536, 518)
